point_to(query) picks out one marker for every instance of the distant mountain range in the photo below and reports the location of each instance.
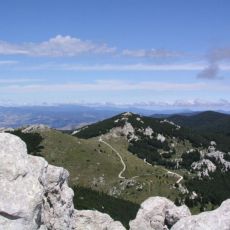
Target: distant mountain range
(68, 117)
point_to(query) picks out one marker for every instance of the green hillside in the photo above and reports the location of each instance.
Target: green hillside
(130, 158)
(205, 121)
(211, 125)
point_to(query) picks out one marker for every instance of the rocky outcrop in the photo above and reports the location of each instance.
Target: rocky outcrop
(158, 213)
(160, 137)
(219, 158)
(35, 195)
(204, 167)
(218, 219)
(35, 128)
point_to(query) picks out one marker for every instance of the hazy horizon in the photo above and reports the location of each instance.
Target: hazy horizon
(150, 54)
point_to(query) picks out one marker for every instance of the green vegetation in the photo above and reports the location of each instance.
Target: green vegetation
(206, 121)
(151, 149)
(196, 135)
(118, 209)
(212, 126)
(189, 158)
(94, 165)
(33, 141)
(98, 128)
(212, 190)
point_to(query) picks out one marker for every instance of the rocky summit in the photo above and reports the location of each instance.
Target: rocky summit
(35, 195)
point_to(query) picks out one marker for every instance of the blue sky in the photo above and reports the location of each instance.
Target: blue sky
(152, 53)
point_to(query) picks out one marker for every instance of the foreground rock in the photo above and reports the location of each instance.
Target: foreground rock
(218, 219)
(158, 213)
(94, 220)
(35, 195)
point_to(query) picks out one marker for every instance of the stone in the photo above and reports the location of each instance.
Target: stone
(35, 195)
(219, 219)
(160, 137)
(158, 213)
(174, 214)
(87, 219)
(204, 167)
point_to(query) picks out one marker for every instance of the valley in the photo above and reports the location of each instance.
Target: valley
(130, 158)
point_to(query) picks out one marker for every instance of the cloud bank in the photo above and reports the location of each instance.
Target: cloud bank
(152, 53)
(106, 85)
(56, 47)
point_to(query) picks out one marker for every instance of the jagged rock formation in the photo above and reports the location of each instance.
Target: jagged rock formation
(35, 195)
(158, 213)
(204, 167)
(218, 219)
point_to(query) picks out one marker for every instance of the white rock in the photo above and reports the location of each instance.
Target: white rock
(212, 143)
(160, 137)
(204, 167)
(33, 194)
(155, 213)
(174, 214)
(139, 119)
(148, 132)
(171, 123)
(219, 157)
(127, 114)
(218, 219)
(94, 220)
(127, 130)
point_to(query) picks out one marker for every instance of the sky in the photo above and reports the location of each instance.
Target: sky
(144, 53)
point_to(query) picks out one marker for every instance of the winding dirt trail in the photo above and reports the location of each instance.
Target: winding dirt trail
(119, 155)
(176, 174)
(172, 173)
(124, 165)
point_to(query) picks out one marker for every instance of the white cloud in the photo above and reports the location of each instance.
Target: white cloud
(132, 67)
(8, 62)
(110, 85)
(55, 47)
(156, 53)
(18, 80)
(192, 103)
(197, 66)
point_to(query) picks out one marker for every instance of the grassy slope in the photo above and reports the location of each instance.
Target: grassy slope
(89, 160)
